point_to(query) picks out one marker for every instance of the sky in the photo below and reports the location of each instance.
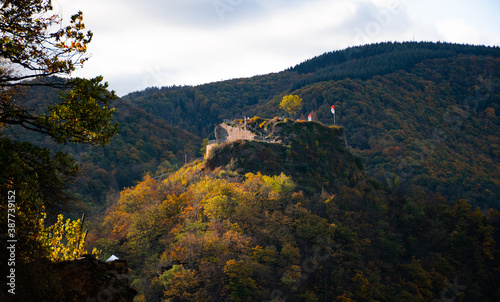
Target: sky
(141, 44)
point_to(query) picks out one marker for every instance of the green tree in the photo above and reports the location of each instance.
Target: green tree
(291, 104)
(204, 144)
(240, 282)
(30, 49)
(35, 47)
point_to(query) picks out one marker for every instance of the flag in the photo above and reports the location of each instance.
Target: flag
(309, 117)
(333, 109)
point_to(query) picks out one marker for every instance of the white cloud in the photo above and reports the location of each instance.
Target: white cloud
(457, 30)
(156, 43)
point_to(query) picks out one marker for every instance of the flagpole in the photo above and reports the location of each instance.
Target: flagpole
(333, 112)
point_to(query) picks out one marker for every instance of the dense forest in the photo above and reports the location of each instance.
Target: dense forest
(220, 230)
(425, 113)
(395, 202)
(421, 112)
(144, 144)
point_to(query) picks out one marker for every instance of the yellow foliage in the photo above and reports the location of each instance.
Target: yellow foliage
(146, 192)
(281, 184)
(119, 221)
(63, 240)
(291, 104)
(219, 203)
(203, 187)
(263, 254)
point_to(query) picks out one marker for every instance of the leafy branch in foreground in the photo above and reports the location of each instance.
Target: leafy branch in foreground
(82, 116)
(35, 47)
(28, 41)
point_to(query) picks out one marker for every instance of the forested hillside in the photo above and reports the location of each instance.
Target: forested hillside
(199, 109)
(393, 198)
(220, 230)
(416, 113)
(144, 144)
(396, 202)
(434, 126)
(422, 113)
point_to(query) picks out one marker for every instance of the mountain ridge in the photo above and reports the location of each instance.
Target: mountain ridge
(422, 124)
(387, 82)
(407, 208)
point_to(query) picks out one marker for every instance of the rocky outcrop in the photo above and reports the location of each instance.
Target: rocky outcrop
(311, 153)
(89, 280)
(85, 279)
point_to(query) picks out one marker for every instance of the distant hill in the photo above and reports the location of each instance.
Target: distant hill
(364, 62)
(421, 113)
(144, 144)
(416, 113)
(393, 203)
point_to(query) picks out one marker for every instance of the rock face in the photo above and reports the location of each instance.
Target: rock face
(313, 154)
(89, 280)
(85, 279)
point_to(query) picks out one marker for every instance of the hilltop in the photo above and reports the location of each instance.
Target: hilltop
(416, 113)
(402, 214)
(312, 154)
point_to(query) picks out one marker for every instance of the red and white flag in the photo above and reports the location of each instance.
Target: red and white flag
(333, 109)
(309, 117)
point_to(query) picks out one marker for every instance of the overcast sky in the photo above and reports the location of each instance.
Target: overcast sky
(139, 44)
